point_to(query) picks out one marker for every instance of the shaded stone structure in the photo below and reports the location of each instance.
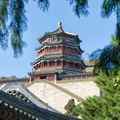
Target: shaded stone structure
(59, 54)
(18, 90)
(18, 103)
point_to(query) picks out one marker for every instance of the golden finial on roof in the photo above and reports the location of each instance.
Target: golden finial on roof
(60, 25)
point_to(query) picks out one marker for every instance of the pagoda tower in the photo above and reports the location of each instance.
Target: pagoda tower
(59, 54)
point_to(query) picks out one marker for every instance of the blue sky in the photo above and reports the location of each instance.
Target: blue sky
(93, 30)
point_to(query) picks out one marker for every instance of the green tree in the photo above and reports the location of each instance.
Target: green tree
(12, 77)
(107, 59)
(108, 7)
(106, 107)
(70, 108)
(15, 11)
(3, 77)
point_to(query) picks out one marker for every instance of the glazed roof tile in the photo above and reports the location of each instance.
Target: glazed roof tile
(58, 43)
(90, 63)
(19, 95)
(60, 32)
(60, 55)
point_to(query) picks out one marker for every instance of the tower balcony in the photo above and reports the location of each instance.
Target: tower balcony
(58, 50)
(58, 64)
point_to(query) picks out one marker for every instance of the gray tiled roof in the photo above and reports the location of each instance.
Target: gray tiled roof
(20, 110)
(20, 91)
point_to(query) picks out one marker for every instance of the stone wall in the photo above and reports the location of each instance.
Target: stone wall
(83, 89)
(57, 98)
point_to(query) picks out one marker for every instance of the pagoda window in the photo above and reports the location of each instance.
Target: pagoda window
(72, 41)
(59, 48)
(64, 63)
(58, 39)
(46, 49)
(39, 66)
(72, 50)
(35, 67)
(41, 52)
(54, 38)
(77, 65)
(76, 51)
(45, 64)
(64, 48)
(71, 64)
(69, 50)
(59, 63)
(67, 40)
(53, 49)
(52, 63)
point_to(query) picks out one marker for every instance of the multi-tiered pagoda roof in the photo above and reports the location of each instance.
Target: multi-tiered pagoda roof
(59, 54)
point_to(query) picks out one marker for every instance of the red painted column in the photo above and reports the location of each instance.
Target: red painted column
(31, 79)
(55, 77)
(48, 64)
(48, 50)
(62, 49)
(39, 78)
(57, 49)
(67, 64)
(62, 63)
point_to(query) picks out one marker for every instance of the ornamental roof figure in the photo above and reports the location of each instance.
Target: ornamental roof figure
(60, 25)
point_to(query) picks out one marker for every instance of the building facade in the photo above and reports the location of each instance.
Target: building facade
(90, 66)
(59, 54)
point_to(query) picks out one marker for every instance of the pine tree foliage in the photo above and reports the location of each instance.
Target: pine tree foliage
(106, 107)
(15, 11)
(112, 6)
(107, 59)
(70, 108)
(17, 25)
(79, 7)
(3, 26)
